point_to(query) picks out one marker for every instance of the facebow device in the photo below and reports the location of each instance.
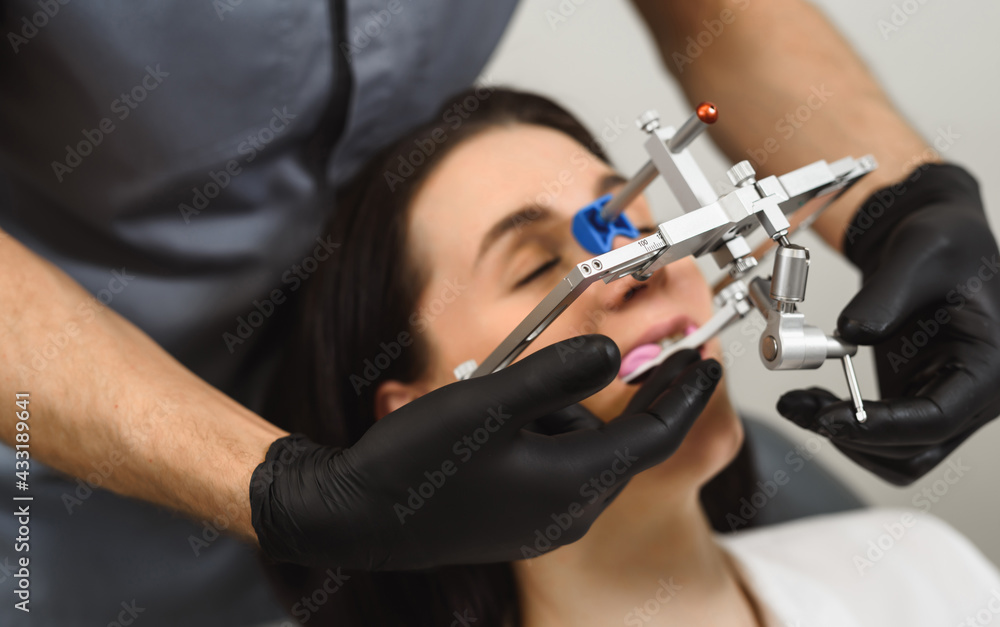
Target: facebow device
(711, 224)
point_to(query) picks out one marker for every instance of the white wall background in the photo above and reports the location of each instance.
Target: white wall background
(941, 68)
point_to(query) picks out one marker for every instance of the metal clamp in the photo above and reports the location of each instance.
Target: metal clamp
(787, 342)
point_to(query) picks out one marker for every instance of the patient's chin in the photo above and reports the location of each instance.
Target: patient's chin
(713, 442)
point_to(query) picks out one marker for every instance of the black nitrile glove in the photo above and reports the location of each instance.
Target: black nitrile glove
(930, 305)
(453, 477)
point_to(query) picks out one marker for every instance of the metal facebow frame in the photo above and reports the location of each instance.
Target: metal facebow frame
(716, 225)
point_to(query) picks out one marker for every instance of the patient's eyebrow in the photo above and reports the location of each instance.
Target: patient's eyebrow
(513, 221)
(609, 182)
(533, 214)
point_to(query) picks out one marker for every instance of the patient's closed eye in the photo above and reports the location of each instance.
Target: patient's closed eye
(539, 271)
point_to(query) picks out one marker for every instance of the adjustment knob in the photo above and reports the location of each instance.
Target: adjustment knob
(742, 265)
(742, 174)
(649, 121)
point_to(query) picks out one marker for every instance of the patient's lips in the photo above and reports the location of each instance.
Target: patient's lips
(638, 356)
(653, 342)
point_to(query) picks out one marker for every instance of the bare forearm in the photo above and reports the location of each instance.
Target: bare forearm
(790, 89)
(112, 401)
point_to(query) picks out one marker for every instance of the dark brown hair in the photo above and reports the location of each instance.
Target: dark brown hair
(360, 301)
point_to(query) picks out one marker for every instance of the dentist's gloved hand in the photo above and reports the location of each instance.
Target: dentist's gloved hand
(453, 477)
(930, 305)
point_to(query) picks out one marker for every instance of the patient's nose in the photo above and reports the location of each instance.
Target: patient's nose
(618, 295)
(615, 295)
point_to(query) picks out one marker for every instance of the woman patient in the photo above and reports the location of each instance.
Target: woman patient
(450, 237)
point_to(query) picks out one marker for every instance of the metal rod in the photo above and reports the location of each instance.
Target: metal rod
(852, 384)
(610, 266)
(705, 115)
(632, 189)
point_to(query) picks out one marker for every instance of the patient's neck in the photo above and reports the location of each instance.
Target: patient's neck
(652, 549)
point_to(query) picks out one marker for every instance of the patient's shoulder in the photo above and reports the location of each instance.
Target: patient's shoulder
(868, 557)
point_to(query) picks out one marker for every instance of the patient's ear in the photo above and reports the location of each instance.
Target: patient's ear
(391, 395)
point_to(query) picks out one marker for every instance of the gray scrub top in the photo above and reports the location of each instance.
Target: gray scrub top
(170, 158)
